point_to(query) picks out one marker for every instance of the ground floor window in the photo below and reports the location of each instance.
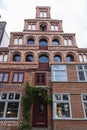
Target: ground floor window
(84, 99)
(9, 105)
(61, 106)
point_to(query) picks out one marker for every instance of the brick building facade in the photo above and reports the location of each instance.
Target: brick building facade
(43, 55)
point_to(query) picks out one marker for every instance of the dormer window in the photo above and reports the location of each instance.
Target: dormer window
(43, 14)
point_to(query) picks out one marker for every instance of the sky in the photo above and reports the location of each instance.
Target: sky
(73, 14)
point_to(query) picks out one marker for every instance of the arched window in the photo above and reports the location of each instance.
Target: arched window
(29, 58)
(55, 42)
(69, 58)
(16, 58)
(43, 44)
(30, 41)
(57, 58)
(43, 27)
(43, 59)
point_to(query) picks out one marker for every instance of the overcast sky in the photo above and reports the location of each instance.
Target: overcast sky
(72, 12)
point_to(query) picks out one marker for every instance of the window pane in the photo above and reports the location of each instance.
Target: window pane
(55, 42)
(16, 41)
(5, 57)
(17, 96)
(2, 105)
(29, 27)
(20, 41)
(41, 14)
(4, 95)
(12, 109)
(16, 58)
(57, 58)
(5, 77)
(80, 58)
(52, 27)
(65, 42)
(81, 75)
(20, 77)
(57, 96)
(29, 58)
(85, 107)
(63, 110)
(1, 76)
(45, 14)
(56, 28)
(30, 42)
(85, 97)
(11, 95)
(1, 57)
(65, 97)
(85, 58)
(69, 42)
(33, 27)
(15, 78)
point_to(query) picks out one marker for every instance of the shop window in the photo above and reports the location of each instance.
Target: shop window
(9, 105)
(61, 106)
(82, 72)
(4, 76)
(40, 78)
(18, 77)
(58, 73)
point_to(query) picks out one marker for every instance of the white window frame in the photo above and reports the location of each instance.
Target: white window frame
(54, 28)
(7, 100)
(84, 73)
(59, 74)
(43, 14)
(67, 42)
(84, 101)
(31, 26)
(55, 102)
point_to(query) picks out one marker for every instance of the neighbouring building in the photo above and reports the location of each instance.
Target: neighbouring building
(43, 55)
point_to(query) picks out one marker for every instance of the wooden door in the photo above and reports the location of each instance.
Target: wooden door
(39, 113)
